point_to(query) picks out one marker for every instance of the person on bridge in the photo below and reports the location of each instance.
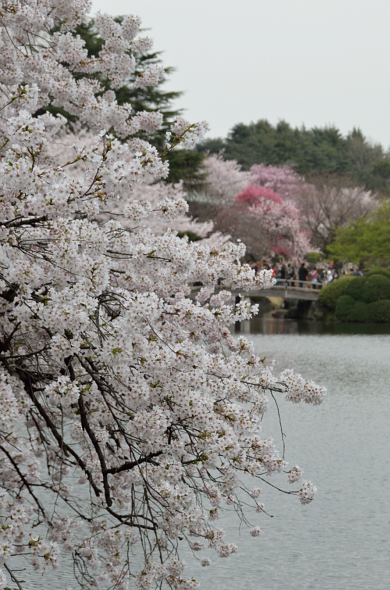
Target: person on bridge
(290, 272)
(302, 274)
(283, 274)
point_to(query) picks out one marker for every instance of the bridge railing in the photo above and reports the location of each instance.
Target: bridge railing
(296, 284)
(283, 288)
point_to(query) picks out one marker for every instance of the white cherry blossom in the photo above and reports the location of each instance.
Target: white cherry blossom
(129, 413)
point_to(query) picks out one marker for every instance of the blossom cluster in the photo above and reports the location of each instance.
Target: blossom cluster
(283, 180)
(260, 207)
(279, 221)
(115, 375)
(225, 179)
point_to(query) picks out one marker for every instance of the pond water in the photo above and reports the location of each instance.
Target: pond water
(341, 541)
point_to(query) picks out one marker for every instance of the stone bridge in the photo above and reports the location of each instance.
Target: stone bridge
(293, 290)
(305, 293)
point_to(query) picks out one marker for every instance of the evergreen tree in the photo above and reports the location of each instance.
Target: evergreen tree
(315, 152)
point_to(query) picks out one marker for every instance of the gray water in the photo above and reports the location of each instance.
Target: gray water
(341, 541)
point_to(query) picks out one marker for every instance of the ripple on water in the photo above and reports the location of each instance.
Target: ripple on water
(341, 541)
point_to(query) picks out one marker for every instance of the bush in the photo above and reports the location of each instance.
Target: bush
(344, 306)
(314, 257)
(360, 312)
(378, 271)
(349, 310)
(380, 311)
(329, 295)
(359, 299)
(354, 287)
(375, 288)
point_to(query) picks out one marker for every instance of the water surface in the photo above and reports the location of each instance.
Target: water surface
(341, 541)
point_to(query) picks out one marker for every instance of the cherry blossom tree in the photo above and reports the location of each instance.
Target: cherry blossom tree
(253, 195)
(129, 413)
(268, 225)
(281, 179)
(280, 225)
(258, 207)
(181, 224)
(225, 179)
(66, 147)
(324, 205)
(329, 205)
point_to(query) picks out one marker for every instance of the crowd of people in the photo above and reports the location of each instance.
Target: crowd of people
(303, 274)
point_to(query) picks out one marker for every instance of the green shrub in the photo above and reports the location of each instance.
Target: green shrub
(354, 287)
(329, 295)
(359, 299)
(314, 257)
(380, 311)
(350, 310)
(375, 287)
(378, 271)
(344, 306)
(360, 312)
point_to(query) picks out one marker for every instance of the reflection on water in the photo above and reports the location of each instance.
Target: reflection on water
(341, 541)
(270, 325)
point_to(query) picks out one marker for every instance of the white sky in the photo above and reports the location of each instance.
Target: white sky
(309, 62)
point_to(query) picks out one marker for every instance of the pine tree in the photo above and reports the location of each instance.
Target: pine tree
(320, 152)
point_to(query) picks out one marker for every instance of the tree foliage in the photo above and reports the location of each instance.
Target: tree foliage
(253, 194)
(224, 179)
(326, 206)
(281, 179)
(258, 207)
(313, 152)
(365, 241)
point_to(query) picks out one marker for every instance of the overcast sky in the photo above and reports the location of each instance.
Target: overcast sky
(308, 62)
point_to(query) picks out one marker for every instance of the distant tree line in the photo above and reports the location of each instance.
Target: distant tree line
(334, 163)
(315, 152)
